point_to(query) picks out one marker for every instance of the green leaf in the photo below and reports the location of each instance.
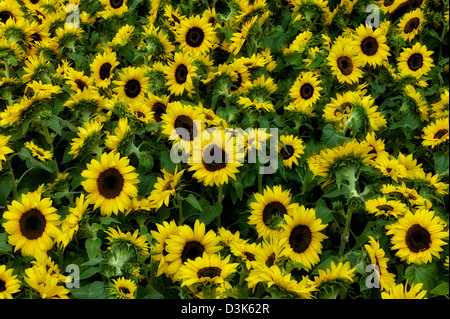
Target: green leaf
(425, 274)
(323, 212)
(441, 290)
(194, 202)
(4, 246)
(53, 123)
(6, 184)
(92, 247)
(330, 137)
(208, 215)
(95, 290)
(441, 163)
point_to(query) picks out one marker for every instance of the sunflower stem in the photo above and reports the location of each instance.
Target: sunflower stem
(219, 199)
(11, 175)
(346, 232)
(180, 209)
(49, 140)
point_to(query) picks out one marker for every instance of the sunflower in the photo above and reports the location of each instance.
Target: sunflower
(123, 288)
(401, 292)
(340, 272)
(377, 257)
(88, 137)
(306, 89)
(182, 123)
(70, 224)
(340, 108)
(116, 141)
(188, 244)
(195, 35)
(158, 44)
(215, 159)
(418, 237)
(158, 106)
(302, 232)
(9, 284)
(344, 62)
(269, 252)
(41, 154)
(164, 231)
(10, 10)
(415, 61)
(269, 210)
(436, 133)
(371, 45)
(141, 112)
(4, 150)
(245, 251)
(389, 166)
(165, 187)
(122, 37)
(207, 269)
(139, 242)
(44, 283)
(385, 207)
(291, 149)
(274, 276)
(132, 85)
(35, 68)
(110, 183)
(377, 146)
(179, 73)
(31, 224)
(411, 24)
(102, 68)
(113, 8)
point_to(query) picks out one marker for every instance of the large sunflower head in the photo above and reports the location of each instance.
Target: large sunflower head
(179, 74)
(102, 68)
(182, 123)
(411, 24)
(110, 183)
(215, 159)
(195, 35)
(436, 133)
(207, 269)
(418, 237)
(306, 89)
(269, 210)
(188, 244)
(31, 224)
(344, 61)
(291, 149)
(133, 84)
(302, 232)
(415, 61)
(371, 45)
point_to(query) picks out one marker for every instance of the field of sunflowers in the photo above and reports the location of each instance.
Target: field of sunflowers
(157, 149)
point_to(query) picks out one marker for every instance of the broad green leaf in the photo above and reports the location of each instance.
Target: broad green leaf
(194, 202)
(210, 214)
(92, 247)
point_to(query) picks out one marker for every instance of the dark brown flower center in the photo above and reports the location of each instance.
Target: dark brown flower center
(132, 88)
(270, 260)
(124, 290)
(5, 15)
(300, 238)
(369, 46)
(287, 154)
(415, 61)
(411, 25)
(80, 84)
(250, 256)
(159, 109)
(306, 91)
(105, 71)
(181, 73)
(385, 208)
(192, 250)
(115, 3)
(214, 158)
(210, 272)
(110, 183)
(271, 209)
(32, 224)
(2, 285)
(237, 83)
(345, 65)
(417, 238)
(439, 134)
(185, 122)
(195, 37)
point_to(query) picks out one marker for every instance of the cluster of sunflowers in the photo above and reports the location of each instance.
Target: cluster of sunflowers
(99, 97)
